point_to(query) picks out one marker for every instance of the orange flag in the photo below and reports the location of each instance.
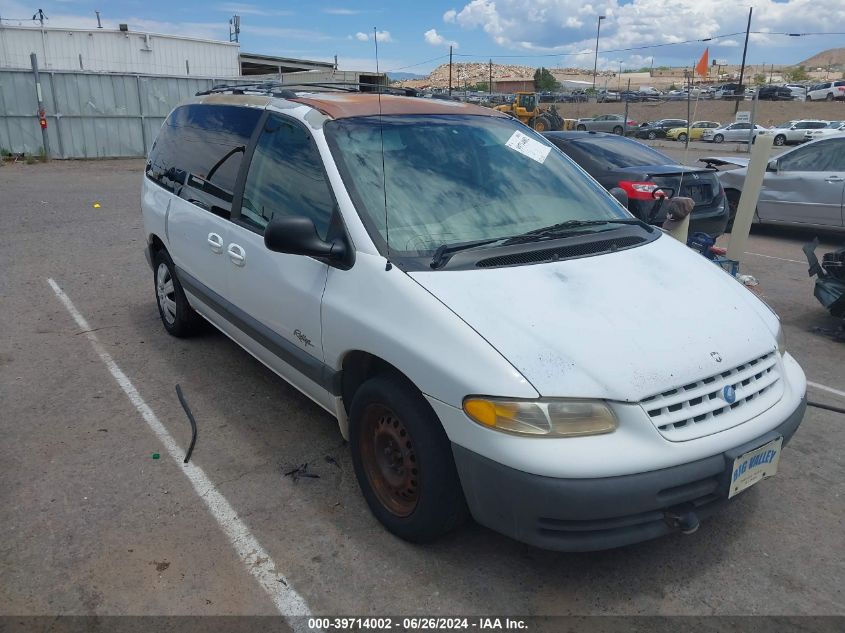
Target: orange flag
(701, 66)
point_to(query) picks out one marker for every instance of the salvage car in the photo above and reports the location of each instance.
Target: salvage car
(826, 91)
(834, 128)
(792, 132)
(738, 132)
(658, 129)
(695, 131)
(803, 186)
(606, 123)
(641, 171)
(474, 310)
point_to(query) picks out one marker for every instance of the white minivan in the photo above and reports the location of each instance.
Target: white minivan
(479, 314)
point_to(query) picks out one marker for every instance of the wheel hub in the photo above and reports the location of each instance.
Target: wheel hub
(390, 461)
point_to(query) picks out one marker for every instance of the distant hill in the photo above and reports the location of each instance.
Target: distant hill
(835, 57)
(405, 76)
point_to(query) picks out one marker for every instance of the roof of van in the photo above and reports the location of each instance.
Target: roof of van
(343, 105)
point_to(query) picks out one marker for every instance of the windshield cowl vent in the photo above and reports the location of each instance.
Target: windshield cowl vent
(566, 251)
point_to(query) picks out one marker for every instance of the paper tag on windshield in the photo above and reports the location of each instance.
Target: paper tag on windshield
(527, 146)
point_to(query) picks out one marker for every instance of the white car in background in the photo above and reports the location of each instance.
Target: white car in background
(827, 91)
(833, 128)
(792, 132)
(799, 92)
(738, 132)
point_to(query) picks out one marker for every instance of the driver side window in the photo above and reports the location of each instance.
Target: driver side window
(817, 157)
(286, 178)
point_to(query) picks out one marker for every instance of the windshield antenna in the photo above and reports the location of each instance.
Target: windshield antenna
(387, 265)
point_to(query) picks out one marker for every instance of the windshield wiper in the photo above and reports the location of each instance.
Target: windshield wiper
(445, 251)
(562, 228)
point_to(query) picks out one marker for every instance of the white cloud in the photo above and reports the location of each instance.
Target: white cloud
(240, 8)
(381, 36)
(435, 39)
(341, 11)
(569, 26)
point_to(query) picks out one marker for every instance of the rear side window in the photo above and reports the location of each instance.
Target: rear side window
(199, 151)
(615, 152)
(286, 177)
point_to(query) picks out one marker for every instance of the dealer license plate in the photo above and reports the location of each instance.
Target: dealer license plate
(754, 466)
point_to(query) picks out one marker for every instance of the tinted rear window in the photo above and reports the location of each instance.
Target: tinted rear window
(198, 153)
(612, 152)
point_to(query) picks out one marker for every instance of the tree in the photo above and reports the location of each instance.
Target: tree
(796, 74)
(544, 80)
(759, 79)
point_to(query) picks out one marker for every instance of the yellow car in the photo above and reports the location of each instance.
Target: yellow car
(695, 131)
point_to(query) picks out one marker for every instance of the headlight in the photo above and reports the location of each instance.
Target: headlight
(542, 418)
(781, 339)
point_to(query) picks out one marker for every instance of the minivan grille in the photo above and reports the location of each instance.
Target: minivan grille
(562, 252)
(700, 409)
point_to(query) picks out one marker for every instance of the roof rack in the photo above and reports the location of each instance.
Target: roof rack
(286, 90)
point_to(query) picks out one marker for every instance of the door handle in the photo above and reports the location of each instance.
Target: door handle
(215, 242)
(236, 254)
(833, 179)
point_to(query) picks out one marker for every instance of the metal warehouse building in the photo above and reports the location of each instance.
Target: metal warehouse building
(107, 92)
(105, 50)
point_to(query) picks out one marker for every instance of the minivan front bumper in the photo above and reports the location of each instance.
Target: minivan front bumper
(602, 513)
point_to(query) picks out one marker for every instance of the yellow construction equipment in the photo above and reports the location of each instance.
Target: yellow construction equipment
(526, 108)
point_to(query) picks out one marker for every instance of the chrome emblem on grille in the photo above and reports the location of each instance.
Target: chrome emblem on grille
(716, 356)
(729, 394)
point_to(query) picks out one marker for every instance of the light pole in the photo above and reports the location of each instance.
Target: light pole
(619, 83)
(596, 62)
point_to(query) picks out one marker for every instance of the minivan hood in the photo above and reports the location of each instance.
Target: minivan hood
(621, 326)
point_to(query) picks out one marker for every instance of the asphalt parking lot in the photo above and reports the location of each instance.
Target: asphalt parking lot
(94, 524)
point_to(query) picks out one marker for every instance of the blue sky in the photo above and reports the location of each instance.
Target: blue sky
(415, 36)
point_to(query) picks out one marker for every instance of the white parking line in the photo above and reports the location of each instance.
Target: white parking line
(783, 259)
(254, 557)
(816, 385)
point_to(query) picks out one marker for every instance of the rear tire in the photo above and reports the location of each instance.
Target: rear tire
(652, 136)
(177, 315)
(403, 460)
(829, 97)
(581, 128)
(618, 130)
(718, 138)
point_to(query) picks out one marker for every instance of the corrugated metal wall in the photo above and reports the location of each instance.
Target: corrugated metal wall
(103, 50)
(89, 115)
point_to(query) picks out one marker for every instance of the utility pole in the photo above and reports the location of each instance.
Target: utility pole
(596, 61)
(99, 24)
(42, 117)
(689, 75)
(490, 80)
(450, 70)
(742, 68)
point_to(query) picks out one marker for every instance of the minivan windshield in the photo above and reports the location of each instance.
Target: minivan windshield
(452, 179)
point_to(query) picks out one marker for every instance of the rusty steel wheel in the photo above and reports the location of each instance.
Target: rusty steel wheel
(403, 460)
(387, 451)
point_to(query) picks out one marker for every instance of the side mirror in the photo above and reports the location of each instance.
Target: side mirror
(621, 195)
(297, 235)
(772, 166)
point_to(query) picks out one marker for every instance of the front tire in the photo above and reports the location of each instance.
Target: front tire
(403, 460)
(177, 315)
(718, 139)
(682, 138)
(581, 128)
(780, 139)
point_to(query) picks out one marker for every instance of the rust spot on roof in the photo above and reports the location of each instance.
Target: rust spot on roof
(346, 105)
